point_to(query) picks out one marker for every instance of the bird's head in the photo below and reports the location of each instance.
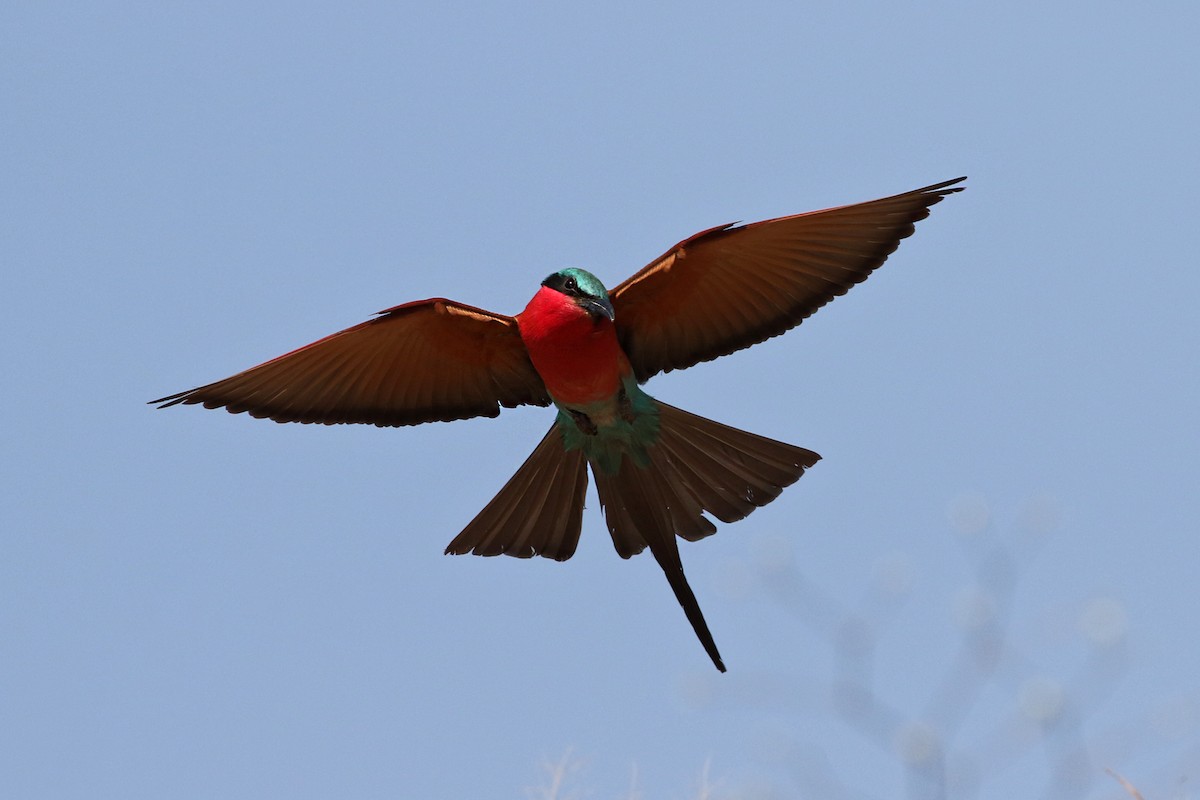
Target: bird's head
(584, 289)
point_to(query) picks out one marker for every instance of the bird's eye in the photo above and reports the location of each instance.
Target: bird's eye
(571, 285)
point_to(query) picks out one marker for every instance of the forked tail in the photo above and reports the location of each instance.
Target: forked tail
(696, 465)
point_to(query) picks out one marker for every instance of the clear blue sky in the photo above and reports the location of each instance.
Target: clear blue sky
(198, 605)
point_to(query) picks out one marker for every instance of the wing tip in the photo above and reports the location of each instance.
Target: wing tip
(171, 399)
(944, 188)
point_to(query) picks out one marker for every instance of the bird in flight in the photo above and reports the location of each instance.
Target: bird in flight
(586, 350)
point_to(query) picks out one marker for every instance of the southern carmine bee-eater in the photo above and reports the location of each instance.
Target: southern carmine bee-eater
(587, 351)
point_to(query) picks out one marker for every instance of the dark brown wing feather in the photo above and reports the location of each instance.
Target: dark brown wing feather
(432, 360)
(730, 287)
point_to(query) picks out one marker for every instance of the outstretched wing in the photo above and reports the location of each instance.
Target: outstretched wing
(729, 287)
(432, 360)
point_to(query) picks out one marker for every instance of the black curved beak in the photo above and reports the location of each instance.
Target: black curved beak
(598, 307)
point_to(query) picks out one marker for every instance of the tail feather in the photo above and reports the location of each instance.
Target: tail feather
(695, 469)
(549, 493)
(539, 512)
(729, 472)
(637, 505)
(696, 465)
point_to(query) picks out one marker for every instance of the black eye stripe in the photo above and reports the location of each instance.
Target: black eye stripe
(567, 284)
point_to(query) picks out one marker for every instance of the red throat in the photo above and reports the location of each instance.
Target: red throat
(577, 356)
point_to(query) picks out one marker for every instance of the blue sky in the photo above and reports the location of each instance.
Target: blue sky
(194, 604)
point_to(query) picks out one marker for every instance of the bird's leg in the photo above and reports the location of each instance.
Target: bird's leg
(625, 406)
(583, 422)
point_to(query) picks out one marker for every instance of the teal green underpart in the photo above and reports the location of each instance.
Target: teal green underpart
(617, 437)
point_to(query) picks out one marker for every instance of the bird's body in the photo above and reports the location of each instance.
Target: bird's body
(575, 352)
(574, 348)
(658, 470)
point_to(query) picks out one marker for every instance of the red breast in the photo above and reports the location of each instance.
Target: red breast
(578, 357)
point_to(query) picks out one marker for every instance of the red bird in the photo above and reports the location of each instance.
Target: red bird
(658, 469)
